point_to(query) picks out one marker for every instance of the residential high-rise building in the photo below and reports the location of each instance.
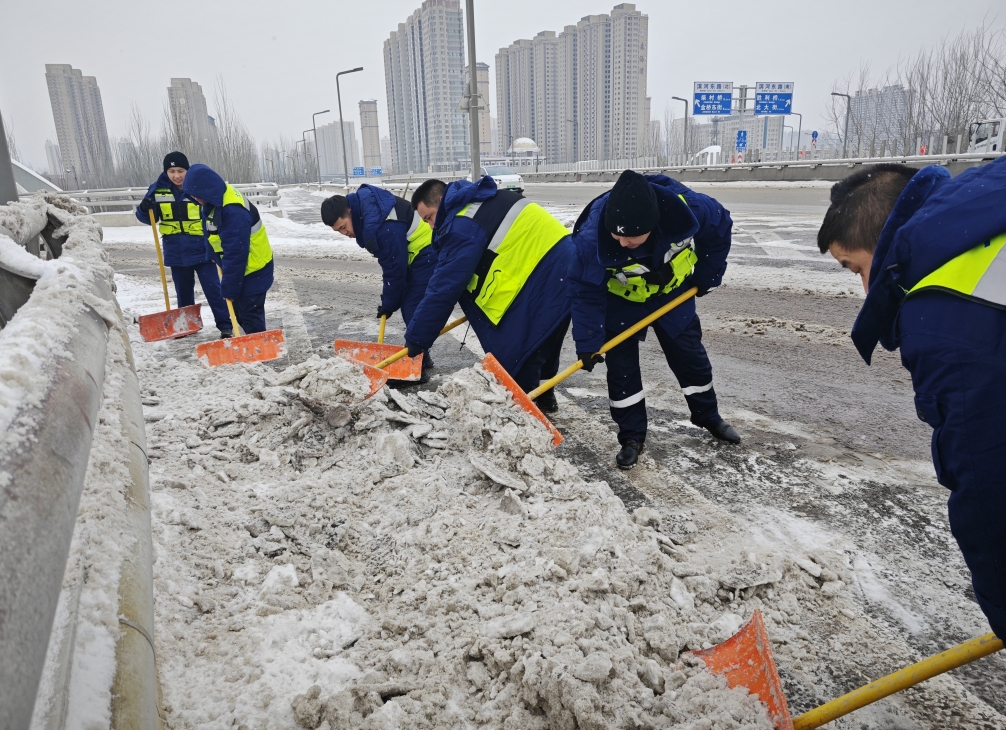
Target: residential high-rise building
(580, 95)
(330, 150)
(194, 128)
(386, 153)
(370, 134)
(53, 159)
(485, 126)
(876, 116)
(80, 124)
(764, 133)
(425, 80)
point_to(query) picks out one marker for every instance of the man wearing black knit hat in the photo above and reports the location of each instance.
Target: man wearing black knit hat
(638, 247)
(186, 251)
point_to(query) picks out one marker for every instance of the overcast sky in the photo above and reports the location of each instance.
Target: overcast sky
(278, 60)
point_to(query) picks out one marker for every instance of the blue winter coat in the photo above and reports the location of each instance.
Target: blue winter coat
(540, 307)
(234, 224)
(595, 311)
(179, 249)
(935, 219)
(369, 208)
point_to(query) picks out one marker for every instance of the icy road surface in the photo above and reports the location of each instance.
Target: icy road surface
(834, 461)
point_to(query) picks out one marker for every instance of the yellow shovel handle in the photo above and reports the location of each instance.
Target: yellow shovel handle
(380, 332)
(958, 656)
(160, 259)
(230, 305)
(405, 350)
(615, 341)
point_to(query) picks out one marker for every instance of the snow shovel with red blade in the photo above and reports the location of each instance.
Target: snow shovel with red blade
(392, 358)
(746, 660)
(171, 323)
(257, 347)
(526, 400)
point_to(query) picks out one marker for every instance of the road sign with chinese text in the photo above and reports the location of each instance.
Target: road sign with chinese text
(712, 98)
(358, 172)
(742, 140)
(773, 97)
(376, 171)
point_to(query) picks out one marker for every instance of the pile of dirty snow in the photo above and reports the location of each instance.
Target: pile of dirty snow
(414, 560)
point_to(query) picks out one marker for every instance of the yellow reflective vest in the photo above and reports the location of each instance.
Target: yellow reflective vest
(419, 235)
(978, 274)
(177, 217)
(259, 250)
(526, 233)
(637, 283)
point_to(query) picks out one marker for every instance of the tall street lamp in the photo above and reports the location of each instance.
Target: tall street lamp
(314, 130)
(687, 103)
(474, 101)
(342, 125)
(791, 130)
(848, 107)
(799, 131)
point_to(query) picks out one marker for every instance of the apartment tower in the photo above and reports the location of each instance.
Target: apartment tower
(370, 134)
(193, 127)
(425, 78)
(80, 125)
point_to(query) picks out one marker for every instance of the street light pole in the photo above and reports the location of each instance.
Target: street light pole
(342, 125)
(307, 164)
(799, 131)
(8, 186)
(848, 107)
(678, 98)
(474, 101)
(314, 130)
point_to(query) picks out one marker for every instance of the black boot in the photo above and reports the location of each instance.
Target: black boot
(629, 455)
(724, 432)
(226, 334)
(546, 402)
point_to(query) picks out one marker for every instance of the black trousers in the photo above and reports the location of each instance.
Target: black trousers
(543, 362)
(688, 361)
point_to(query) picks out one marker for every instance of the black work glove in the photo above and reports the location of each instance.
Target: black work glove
(147, 205)
(589, 359)
(414, 349)
(703, 290)
(382, 312)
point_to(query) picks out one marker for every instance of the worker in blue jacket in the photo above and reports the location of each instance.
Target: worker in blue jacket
(397, 236)
(183, 240)
(931, 251)
(237, 236)
(503, 259)
(637, 247)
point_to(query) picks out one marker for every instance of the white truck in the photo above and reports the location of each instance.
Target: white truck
(987, 135)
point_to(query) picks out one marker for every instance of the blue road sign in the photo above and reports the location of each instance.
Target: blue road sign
(742, 140)
(813, 135)
(358, 172)
(773, 97)
(376, 171)
(712, 98)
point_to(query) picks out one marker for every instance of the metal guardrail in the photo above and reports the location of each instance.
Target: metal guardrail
(125, 199)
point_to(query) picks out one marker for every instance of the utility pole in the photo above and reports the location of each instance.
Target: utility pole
(848, 107)
(474, 101)
(342, 125)
(799, 131)
(8, 188)
(314, 131)
(685, 147)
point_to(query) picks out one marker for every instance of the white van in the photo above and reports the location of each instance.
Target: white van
(987, 136)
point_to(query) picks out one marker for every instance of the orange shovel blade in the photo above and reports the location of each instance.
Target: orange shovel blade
(408, 368)
(377, 378)
(257, 347)
(171, 324)
(491, 364)
(745, 659)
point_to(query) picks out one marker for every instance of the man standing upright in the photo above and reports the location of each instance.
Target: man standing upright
(637, 247)
(931, 251)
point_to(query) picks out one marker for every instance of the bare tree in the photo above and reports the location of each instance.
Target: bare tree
(236, 155)
(15, 153)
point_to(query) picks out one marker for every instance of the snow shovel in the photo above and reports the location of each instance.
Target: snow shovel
(390, 357)
(256, 347)
(526, 400)
(171, 323)
(746, 660)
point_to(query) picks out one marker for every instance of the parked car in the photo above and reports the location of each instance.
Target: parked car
(505, 178)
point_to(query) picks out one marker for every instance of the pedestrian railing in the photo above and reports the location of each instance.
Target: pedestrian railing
(107, 200)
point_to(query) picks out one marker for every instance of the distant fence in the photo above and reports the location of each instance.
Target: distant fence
(106, 200)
